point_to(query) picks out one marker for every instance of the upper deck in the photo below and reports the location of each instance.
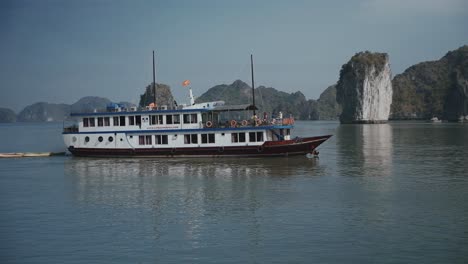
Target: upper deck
(202, 116)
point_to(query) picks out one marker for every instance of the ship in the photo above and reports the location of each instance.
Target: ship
(209, 129)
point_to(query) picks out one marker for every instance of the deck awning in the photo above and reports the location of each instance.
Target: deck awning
(243, 107)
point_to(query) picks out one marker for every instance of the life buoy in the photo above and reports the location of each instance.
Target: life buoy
(258, 122)
(244, 123)
(209, 124)
(233, 123)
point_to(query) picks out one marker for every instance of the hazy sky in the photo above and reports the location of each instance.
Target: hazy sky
(60, 51)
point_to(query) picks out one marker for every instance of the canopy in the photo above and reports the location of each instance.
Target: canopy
(243, 107)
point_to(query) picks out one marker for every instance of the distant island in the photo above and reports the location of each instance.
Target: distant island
(425, 90)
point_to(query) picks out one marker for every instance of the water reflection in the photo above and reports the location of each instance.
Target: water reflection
(365, 150)
(189, 194)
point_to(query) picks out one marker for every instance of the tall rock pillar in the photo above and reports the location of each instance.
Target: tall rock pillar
(365, 89)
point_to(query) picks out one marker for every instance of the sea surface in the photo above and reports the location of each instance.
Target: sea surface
(388, 193)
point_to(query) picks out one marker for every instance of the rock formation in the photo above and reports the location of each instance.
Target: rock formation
(7, 115)
(163, 95)
(44, 112)
(364, 89)
(433, 89)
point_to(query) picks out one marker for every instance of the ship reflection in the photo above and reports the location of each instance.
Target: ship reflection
(365, 149)
(181, 194)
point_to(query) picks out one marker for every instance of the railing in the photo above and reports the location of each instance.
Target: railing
(248, 123)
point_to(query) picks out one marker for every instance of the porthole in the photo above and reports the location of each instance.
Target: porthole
(86, 139)
(100, 139)
(111, 139)
(74, 139)
(121, 139)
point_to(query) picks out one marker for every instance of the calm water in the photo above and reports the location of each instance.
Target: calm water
(393, 193)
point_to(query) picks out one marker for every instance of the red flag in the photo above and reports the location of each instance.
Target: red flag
(186, 83)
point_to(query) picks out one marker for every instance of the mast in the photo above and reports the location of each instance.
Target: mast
(253, 84)
(154, 81)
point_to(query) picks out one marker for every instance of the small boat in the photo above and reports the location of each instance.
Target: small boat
(11, 155)
(435, 120)
(209, 129)
(30, 154)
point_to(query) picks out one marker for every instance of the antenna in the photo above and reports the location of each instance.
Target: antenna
(253, 84)
(154, 81)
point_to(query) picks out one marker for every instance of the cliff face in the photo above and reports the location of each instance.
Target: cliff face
(163, 95)
(7, 115)
(364, 89)
(435, 88)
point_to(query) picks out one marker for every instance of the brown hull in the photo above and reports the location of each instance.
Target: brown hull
(298, 146)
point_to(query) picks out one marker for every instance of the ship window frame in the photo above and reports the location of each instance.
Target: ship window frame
(190, 139)
(100, 121)
(148, 140)
(256, 136)
(131, 120)
(238, 137)
(176, 119)
(161, 140)
(106, 121)
(169, 119)
(85, 122)
(141, 140)
(115, 121)
(208, 138)
(92, 122)
(190, 118)
(138, 120)
(122, 120)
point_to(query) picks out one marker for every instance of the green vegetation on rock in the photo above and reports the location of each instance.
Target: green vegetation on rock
(433, 89)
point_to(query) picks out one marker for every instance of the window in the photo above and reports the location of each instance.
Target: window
(138, 120)
(237, 137)
(207, 138)
(86, 122)
(100, 139)
(255, 136)
(190, 138)
(148, 140)
(100, 121)
(190, 118)
(156, 120)
(122, 120)
(106, 121)
(91, 122)
(111, 139)
(86, 139)
(161, 140)
(176, 119)
(169, 119)
(145, 140)
(116, 120)
(131, 120)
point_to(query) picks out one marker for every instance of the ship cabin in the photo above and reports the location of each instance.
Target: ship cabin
(206, 124)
